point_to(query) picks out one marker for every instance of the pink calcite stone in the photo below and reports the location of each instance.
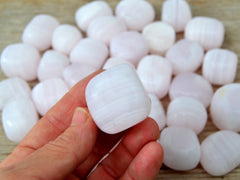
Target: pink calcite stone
(220, 66)
(185, 56)
(52, 65)
(65, 37)
(39, 31)
(20, 60)
(113, 61)
(208, 32)
(105, 28)
(91, 52)
(75, 72)
(191, 85)
(225, 107)
(155, 72)
(126, 11)
(129, 45)
(47, 93)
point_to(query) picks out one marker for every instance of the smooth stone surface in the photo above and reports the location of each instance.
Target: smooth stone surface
(39, 31)
(20, 60)
(208, 32)
(18, 117)
(220, 66)
(185, 56)
(191, 85)
(157, 111)
(47, 93)
(90, 51)
(160, 37)
(52, 65)
(220, 152)
(65, 37)
(225, 107)
(128, 12)
(116, 99)
(105, 28)
(75, 72)
(155, 72)
(90, 11)
(13, 87)
(176, 13)
(114, 61)
(129, 45)
(181, 148)
(187, 112)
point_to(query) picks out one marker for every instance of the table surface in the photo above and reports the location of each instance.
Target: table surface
(15, 14)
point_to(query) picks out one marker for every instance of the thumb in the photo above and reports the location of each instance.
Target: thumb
(59, 158)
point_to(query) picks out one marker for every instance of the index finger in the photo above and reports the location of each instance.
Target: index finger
(51, 125)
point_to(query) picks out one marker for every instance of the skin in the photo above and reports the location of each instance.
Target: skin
(66, 144)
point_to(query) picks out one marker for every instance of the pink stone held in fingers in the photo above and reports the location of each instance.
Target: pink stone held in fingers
(135, 14)
(155, 72)
(129, 45)
(114, 61)
(176, 13)
(90, 11)
(65, 37)
(75, 72)
(181, 148)
(105, 28)
(208, 32)
(187, 112)
(160, 37)
(20, 60)
(220, 152)
(220, 66)
(89, 51)
(225, 107)
(39, 31)
(47, 93)
(191, 85)
(185, 56)
(52, 65)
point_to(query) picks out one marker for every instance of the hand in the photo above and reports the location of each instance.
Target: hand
(66, 144)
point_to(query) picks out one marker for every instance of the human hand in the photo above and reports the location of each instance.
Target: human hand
(66, 144)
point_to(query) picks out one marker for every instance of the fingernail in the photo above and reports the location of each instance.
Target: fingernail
(80, 116)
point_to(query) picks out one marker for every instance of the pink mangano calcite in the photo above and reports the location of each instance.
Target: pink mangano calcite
(90, 11)
(105, 28)
(157, 111)
(129, 45)
(39, 31)
(176, 13)
(191, 85)
(114, 61)
(13, 87)
(160, 37)
(220, 152)
(187, 112)
(52, 65)
(75, 72)
(155, 72)
(91, 52)
(135, 14)
(20, 60)
(181, 148)
(208, 32)
(185, 56)
(220, 66)
(18, 117)
(225, 107)
(47, 93)
(65, 37)
(116, 99)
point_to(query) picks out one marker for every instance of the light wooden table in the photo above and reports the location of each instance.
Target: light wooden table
(15, 14)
